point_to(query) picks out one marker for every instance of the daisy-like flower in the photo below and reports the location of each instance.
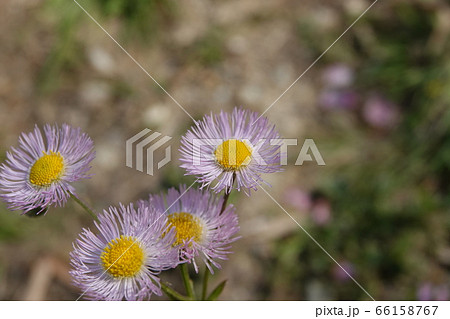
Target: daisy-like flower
(39, 173)
(201, 229)
(231, 147)
(123, 260)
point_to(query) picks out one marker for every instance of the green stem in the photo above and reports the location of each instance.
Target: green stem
(224, 205)
(205, 283)
(85, 207)
(172, 293)
(187, 281)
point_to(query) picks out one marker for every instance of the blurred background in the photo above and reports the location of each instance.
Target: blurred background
(376, 105)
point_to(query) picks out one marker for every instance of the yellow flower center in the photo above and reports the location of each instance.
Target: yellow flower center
(47, 169)
(233, 154)
(122, 257)
(186, 226)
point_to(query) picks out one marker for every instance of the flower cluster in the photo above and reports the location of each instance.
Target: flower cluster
(134, 243)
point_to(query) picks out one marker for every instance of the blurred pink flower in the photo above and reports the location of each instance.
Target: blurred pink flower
(424, 292)
(339, 274)
(338, 99)
(428, 291)
(298, 198)
(321, 212)
(338, 76)
(380, 113)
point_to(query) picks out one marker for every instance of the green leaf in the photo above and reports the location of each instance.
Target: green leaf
(217, 291)
(172, 294)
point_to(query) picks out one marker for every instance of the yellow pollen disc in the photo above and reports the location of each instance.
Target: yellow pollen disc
(187, 226)
(233, 154)
(122, 257)
(47, 169)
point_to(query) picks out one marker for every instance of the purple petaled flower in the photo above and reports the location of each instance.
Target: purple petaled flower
(40, 171)
(231, 147)
(123, 260)
(201, 229)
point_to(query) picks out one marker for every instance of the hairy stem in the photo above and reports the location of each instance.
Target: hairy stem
(188, 285)
(84, 206)
(205, 283)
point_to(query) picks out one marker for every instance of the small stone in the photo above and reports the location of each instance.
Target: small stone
(101, 60)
